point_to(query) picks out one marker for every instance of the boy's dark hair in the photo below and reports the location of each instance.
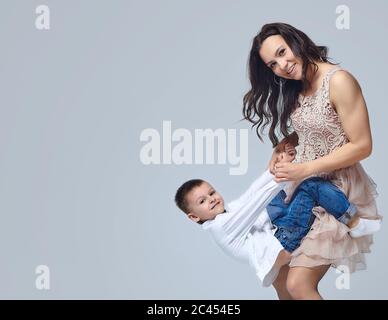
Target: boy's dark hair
(183, 190)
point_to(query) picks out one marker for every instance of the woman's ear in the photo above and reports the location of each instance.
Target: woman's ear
(193, 217)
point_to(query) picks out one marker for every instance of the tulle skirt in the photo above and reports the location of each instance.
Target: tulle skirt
(328, 242)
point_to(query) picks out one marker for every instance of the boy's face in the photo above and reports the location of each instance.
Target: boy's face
(204, 203)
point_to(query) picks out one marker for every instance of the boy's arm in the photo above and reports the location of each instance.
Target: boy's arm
(245, 210)
(265, 179)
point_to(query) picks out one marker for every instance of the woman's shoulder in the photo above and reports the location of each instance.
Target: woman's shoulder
(344, 89)
(342, 78)
(342, 81)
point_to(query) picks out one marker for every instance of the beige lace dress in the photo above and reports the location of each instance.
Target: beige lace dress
(320, 132)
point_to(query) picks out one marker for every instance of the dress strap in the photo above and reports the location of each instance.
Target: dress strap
(329, 74)
(326, 80)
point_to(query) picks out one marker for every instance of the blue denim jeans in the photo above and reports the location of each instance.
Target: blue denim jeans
(294, 219)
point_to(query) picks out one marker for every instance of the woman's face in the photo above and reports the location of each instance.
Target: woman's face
(277, 55)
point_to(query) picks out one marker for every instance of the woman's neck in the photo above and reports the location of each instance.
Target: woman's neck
(313, 77)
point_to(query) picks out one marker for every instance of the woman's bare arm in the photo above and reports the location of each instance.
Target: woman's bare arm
(347, 98)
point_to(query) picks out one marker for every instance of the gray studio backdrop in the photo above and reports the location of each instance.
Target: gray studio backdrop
(74, 100)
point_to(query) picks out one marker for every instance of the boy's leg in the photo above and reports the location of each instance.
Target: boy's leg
(334, 201)
(296, 223)
(297, 220)
(298, 212)
(331, 198)
(277, 207)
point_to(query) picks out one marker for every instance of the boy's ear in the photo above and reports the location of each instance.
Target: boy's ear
(193, 217)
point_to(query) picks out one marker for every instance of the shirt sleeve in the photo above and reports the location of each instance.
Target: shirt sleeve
(245, 210)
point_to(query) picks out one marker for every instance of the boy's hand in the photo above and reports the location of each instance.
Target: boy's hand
(276, 157)
(290, 151)
(287, 156)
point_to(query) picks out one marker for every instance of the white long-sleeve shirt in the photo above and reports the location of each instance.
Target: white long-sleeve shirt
(245, 230)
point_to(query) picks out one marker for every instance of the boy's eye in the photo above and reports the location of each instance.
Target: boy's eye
(213, 192)
(202, 201)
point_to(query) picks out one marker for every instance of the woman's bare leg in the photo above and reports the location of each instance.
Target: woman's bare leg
(302, 283)
(280, 284)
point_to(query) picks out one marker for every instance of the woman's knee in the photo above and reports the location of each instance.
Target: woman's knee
(296, 286)
(300, 286)
(302, 283)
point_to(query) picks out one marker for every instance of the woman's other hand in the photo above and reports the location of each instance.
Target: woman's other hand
(288, 171)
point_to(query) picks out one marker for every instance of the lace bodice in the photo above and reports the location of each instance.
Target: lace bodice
(317, 124)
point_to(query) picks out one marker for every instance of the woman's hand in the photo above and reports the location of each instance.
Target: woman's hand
(288, 171)
(287, 155)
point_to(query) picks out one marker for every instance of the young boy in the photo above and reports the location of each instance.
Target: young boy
(244, 228)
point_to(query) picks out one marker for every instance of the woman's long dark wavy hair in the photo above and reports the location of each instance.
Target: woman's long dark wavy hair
(270, 95)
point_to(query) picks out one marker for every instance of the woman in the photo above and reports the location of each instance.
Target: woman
(293, 82)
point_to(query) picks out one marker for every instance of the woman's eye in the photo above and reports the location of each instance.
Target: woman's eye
(282, 51)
